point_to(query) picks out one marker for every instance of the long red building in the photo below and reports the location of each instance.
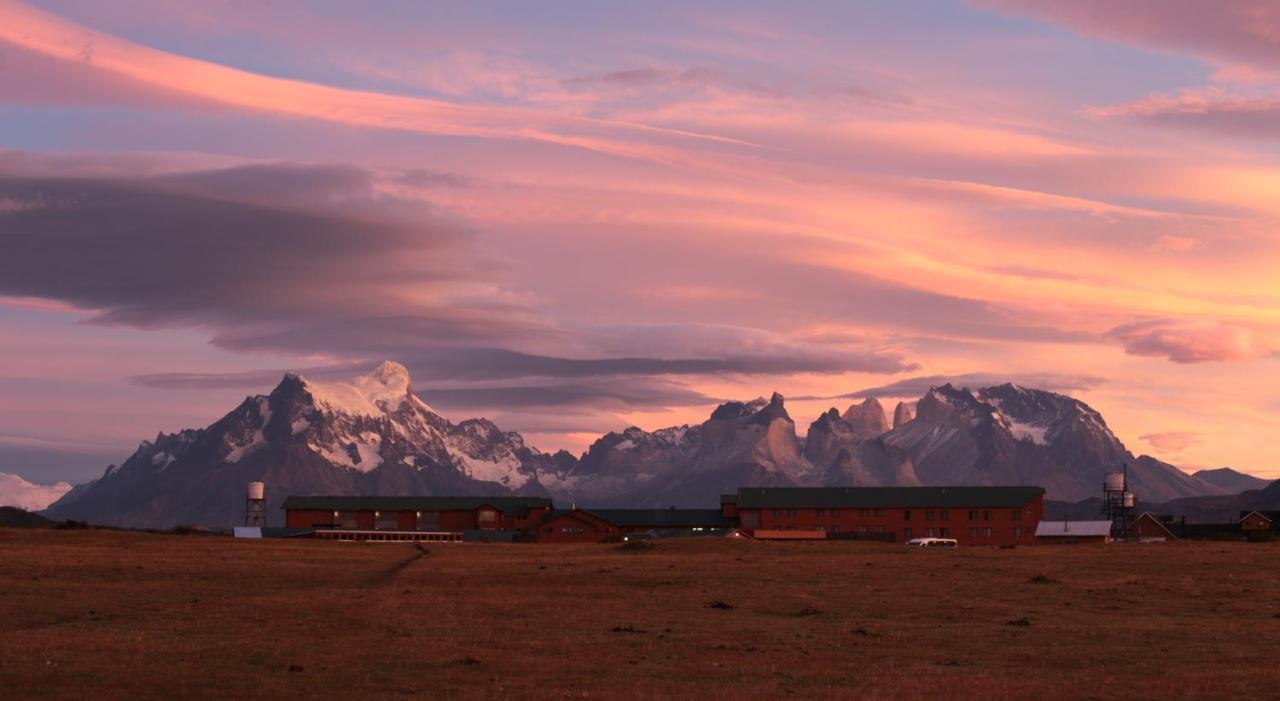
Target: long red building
(970, 515)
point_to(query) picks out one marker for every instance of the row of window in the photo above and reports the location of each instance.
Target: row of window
(908, 533)
(946, 533)
(929, 515)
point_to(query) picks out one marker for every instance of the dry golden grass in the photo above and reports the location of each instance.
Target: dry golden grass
(95, 614)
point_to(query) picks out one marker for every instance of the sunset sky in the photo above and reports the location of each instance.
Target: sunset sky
(573, 217)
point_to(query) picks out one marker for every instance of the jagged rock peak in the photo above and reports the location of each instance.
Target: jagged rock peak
(775, 409)
(868, 418)
(902, 414)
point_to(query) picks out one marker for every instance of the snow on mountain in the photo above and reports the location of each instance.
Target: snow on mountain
(372, 435)
(16, 491)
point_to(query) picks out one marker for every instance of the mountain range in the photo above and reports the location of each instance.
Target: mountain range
(374, 435)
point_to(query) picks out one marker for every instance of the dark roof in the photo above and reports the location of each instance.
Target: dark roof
(653, 518)
(275, 532)
(728, 498)
(884, 497)
(507, 505)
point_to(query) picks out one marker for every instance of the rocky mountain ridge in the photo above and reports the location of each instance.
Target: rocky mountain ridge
(374, 435)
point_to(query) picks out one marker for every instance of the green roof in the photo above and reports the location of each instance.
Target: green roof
(505, 504)
(884, 497)
(654, 518)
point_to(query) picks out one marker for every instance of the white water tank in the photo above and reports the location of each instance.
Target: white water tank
(257, 491)
(1128, 500)
(1114, 482)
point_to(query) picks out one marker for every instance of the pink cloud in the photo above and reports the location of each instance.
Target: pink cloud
(1172, 441)
(179, 79)
(1224, 31)
(1213, 109)
(1187, 341)
(1168, 243)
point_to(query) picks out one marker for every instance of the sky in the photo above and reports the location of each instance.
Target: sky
(573, 217)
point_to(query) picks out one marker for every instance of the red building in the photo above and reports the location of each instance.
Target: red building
(409, 515)
(970, 515)
(594, 525)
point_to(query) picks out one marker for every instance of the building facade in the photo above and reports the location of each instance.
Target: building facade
(970, 515)
(416, 514)
(595, 525)
(993, 516)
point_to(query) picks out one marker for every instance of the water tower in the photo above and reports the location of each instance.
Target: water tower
(1118, 503)
(255, 512)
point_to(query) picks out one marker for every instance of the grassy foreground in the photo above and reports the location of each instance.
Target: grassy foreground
(96, 614)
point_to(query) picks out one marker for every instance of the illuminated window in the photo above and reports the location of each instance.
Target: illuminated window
(944, 515)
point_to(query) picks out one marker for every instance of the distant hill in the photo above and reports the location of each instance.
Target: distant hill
(1231, 480)
(1221, 509)
(13, 517)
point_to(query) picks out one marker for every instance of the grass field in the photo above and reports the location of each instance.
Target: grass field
(99, 614)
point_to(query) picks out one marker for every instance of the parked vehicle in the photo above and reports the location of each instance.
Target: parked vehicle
(933, 542)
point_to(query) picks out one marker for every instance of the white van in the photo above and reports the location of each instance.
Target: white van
(933, 542)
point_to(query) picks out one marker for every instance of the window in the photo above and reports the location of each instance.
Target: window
(835, 513)
(864, 513)
(986, 533)
(906, 515)
(986, 516)
(1017, 514)
(386, 520)
(879, 513)
(879, 529)
(818, 512)
(945, 515)
(928, 515)
(973, 533)
(906, 534)
(548, 529)
(1017, 533)
(777, 513)
(862, 529)
(946, 533)
(488, 516)
(791, 513)
(346, 519)
(973, 515)
(928, 532)
(835, 529)
(428, 520)
(573, 529)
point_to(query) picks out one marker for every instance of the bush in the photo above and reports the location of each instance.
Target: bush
(1260, 536)
(636, 545)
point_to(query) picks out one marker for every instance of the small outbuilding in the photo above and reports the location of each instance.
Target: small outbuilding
(1067, 532)
(1150, 527)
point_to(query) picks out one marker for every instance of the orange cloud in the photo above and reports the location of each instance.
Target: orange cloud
(1188, 341)
(46, 34)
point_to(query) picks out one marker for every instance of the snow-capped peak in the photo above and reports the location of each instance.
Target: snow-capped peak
(383, 390)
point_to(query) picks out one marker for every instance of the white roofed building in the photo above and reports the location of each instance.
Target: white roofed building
(1063, 532)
